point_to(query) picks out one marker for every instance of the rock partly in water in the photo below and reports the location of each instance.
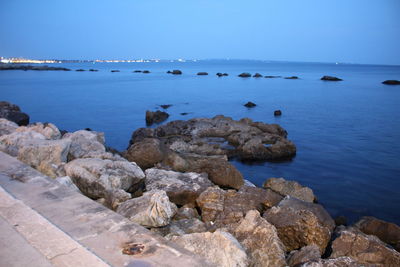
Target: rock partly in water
(219, 248)
(146, 153)
(202, 73)
(301, 223)
(305, 254)
(245, 75)
(257, 75)
(219, 74)
(114, 70)
(93, 70)
(146, 72)
(29, 67)
(391, 82)
(292, 78)
(260, 240)
(80, 70)
(278, 113)
(175, 72)
(365, 249)
(386, 231)
(13, 113)
(271, 76)
(249, 105)
(290, 188)
(112, 180)
(7, 127)
(181, 188)
(156, 116)
(331, 78)
(153, 209)
(166, 106)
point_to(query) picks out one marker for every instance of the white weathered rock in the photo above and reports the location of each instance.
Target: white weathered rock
(219, 248)
(290, 188)
(85, 144)
(11, 143)
(7, 127)
(98, 178)
(181, 188)
(261, 241)
(49, 130)
(153, 209)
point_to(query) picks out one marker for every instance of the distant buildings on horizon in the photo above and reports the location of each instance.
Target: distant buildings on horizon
(49, 61)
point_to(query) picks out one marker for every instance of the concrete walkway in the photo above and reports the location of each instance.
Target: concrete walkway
(43, 223)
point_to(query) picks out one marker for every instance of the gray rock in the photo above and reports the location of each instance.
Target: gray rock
(153, 209)
(181, 188)
(290, 188)
(338, 262)
(85, 144)
(11, 143)
(49, 130)
(13, 113)
(186, 212)
(219, 248)
(67, 181)
(305, 254)
(7, 127)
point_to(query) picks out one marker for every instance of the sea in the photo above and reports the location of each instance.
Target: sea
(347, 133)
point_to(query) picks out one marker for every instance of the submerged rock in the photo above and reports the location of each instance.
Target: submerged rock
(270, 76)
(156, 117)
(292, 78)
(202, 73)
(166, 106)
(13, 113)
(114, 70)
(290, 188)
(250, 104)
(391, 82)
(219, 248)
(153, 209)
(330, 78)
(93, 70)
(245, 75)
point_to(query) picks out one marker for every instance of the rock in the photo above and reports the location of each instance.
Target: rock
(250, 105)
(391, 82)
(184, 113)
(248, 183)
(305, 254)
(114, 70)
(153, 209)
(277, 113)
(202, 73)
(269, 76)
(181, 227)
(245, 75)
(13, 66)
(137, 71)
(257, 75)
(67, 181)
(11, 143)
(181, 188)
(146, 71)
(93, 70)
(330, 78)
(186, 212)
(218, 248)
(260, 240)
(13, 113)
(385, 231)
(290, 188)
(338, 262)
(340, 220)
(7, 127)
(156, 117)
(85, 144)
(49, 130)
(292, 78)
(365, 249)
(301, 223)
(146, 153)
(166, 106)
(175, 72)
(102, 178)
(80, 70)
(219, 74)
(224, 208)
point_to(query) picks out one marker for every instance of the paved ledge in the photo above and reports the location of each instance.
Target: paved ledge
(65, 228)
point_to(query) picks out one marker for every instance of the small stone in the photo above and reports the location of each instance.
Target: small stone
(331, 78)
(202, 73)
(277, 113)
(245, 75)
(250, 104)
(257, 75)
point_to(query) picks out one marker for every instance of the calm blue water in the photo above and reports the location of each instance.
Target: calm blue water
(347, 133)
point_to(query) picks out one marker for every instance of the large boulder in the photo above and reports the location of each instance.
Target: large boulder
(260, 240)
(146, 153)
(11, 143)
(7, 127)
(85, 144)
(386, 231)
(181, 188)
(290, 188)
(181, 227)
(153, 209)
(219, 248)
(303, 255)
(365, 249)
(49, 130)
(112, 180)
(301, 223)
(13, 113)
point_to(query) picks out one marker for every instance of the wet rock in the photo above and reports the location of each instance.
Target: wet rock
(270, 76)
(365, 249)
(175, 72)
(49, 130)
(250, 104)
(245, 75)
(93, 70)
(290, 188)
(80, 70)
(277, 113)
(301, 223)
(146, 71)
(114, 70)
(260, 240)
(184, 113)
(166, 106)
(338, 262)
(305, 254)
(153, 209)
(292, 78)
(156, 117)
(102, 178)
(202, 73)
(13, 113)
(219, 74)
(391, 82)
(13, 66)
(7, 127)
(219, 248)
(330, 78)
(146, 153)
(257, 75)
(85, 144)
(137, 71)
(181, 188)
(385, 231)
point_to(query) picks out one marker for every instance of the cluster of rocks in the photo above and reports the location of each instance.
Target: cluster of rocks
(29, 67)
(176, 181)
(13, 113)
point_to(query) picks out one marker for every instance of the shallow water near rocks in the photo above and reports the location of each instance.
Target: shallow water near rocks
(347, 133)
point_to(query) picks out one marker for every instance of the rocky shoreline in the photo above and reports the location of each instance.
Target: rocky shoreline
(176, 181)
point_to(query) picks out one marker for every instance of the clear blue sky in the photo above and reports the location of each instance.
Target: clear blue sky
(354, 31)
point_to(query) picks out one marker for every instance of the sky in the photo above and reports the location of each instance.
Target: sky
(351, 31)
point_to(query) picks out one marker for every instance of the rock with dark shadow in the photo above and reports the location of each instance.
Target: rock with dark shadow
(277, 113)
(156, 117)
(114, 70)
(175, 72)
(146, 71)
(245, 75)
(13, 113)
(249, 105)
(391, 82)
(137, 71)
(331, 78)
(257, 75)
